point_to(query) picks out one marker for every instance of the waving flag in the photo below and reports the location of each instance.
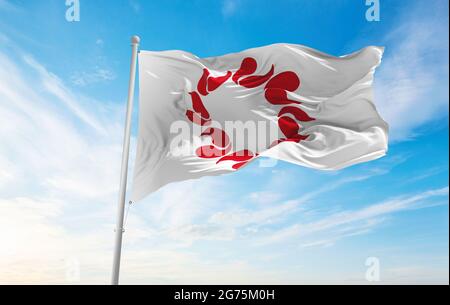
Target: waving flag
(201, 117)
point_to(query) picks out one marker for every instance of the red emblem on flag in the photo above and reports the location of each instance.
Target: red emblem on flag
(276, 87)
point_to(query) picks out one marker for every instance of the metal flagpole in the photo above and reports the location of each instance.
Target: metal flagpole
(135, 40)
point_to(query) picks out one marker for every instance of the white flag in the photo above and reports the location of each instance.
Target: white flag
(201, 117)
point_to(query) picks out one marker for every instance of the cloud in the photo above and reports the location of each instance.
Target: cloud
(334, 236)
(242, 218)
(264, 197)
(99, 72)
(59, 171)
(354, 221)
(430, 172)
(55, 86)
(22, 228)
(239, 222)
(230, 7)
(416, 274)
(55, 142)
(98, 75)
(412, 83)
(176, 267)
(7, 171)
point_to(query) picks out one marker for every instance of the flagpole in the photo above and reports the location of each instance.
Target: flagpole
(135, 40)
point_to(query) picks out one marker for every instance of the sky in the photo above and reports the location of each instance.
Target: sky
(63, 88)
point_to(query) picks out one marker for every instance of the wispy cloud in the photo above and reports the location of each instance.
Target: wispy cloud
(415, 274)
(265, 197)
(431, 172)
(351, 222)
(61, 144)
(230, 7)
(238, 222)
(98, 75)
(56, 87)
(411, 85)
(59, 165)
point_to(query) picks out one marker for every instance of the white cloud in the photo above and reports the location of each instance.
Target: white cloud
(242, 218)
(54, 140)
(415, 274)
(351, 222)
(264, 197)
(56, 87)
(175, 267)
(7, 171)
(98, 75)
(412, 82)
(231, 221)
(59, 171)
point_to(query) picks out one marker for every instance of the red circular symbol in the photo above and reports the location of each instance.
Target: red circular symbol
(276, 89)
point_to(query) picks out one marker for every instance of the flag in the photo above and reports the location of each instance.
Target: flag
(201, 117)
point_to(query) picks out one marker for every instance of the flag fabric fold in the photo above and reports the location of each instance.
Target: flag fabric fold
(203, 117)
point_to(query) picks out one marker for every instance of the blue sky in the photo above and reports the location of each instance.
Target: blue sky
(62, 100)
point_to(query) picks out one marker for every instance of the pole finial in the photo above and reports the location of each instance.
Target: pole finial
(135, 39)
